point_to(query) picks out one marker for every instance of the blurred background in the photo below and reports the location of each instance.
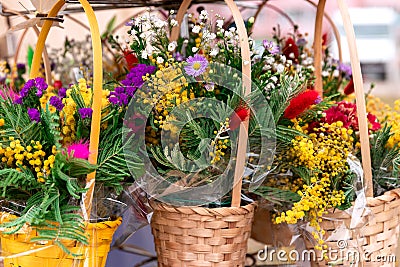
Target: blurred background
(376, 24)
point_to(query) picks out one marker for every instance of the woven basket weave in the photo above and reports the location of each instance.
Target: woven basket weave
(374, 239)
(196, 236)
(18, 250)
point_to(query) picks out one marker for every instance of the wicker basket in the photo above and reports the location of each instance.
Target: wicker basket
(17, 249)
(196, 236)
(373, 241)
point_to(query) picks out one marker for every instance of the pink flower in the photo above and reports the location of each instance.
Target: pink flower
(79, 150)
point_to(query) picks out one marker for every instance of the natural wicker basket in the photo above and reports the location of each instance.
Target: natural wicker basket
(18, 250)
(373, 240)
(196, 236)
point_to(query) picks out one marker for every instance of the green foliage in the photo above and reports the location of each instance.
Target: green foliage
(276, 195)
(384, 162)
(117, 159)
(18, 124)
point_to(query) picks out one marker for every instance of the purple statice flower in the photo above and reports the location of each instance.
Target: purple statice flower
(196, 65)
(271, 47)
(40, 85)
(301, 42)
(346, 69)
(56, 102)
(133, 80)
(34, 114)
(178, 57)
(62, 92)
(130, 23)
(21, 66)
(85, 112)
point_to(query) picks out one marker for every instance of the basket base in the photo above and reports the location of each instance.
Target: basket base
(196, 236)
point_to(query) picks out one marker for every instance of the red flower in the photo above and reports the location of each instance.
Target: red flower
(291, 50)
(130, 58)
(241, 113)
(301, 102)
(325, 39)
(349, 89)
(375, 125)
(347, 113)
(57, 84)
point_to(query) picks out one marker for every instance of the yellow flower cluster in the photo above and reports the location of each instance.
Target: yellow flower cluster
(15, 155)
(220, 144)
(324, 154)
(46, 97)
(386, 113)
(68, 112)
(166, 92)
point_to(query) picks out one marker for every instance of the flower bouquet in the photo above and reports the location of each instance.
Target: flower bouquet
(60, 188)
(187, 119)
(318, 190)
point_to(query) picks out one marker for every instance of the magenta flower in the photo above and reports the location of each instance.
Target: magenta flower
(196, 65)
(79, 150)
(271, 47)
(34, 114)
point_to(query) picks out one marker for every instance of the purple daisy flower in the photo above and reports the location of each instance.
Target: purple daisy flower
(271, 47)
(196, 65)
(85, 112)
(34, 114)
(56, 102)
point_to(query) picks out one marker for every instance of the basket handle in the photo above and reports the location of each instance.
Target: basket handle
(97, 88)
(246, 78)
(357, 79)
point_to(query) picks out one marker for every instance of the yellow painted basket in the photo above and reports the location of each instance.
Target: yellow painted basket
(17, 250)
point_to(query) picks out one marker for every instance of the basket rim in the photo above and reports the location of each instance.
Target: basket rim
(222, 211)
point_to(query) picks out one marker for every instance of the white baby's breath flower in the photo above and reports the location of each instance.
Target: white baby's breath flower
(214, 51)
(220, 23)
(159, 23)
(196, 29)
(274, 79)
(280, 68)
(144, 54)
(194, 49)
(160, 60)
(203, 15)
(172, 46)
(173, 22)
(232, 29)
(335, 73)
(325, 73)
